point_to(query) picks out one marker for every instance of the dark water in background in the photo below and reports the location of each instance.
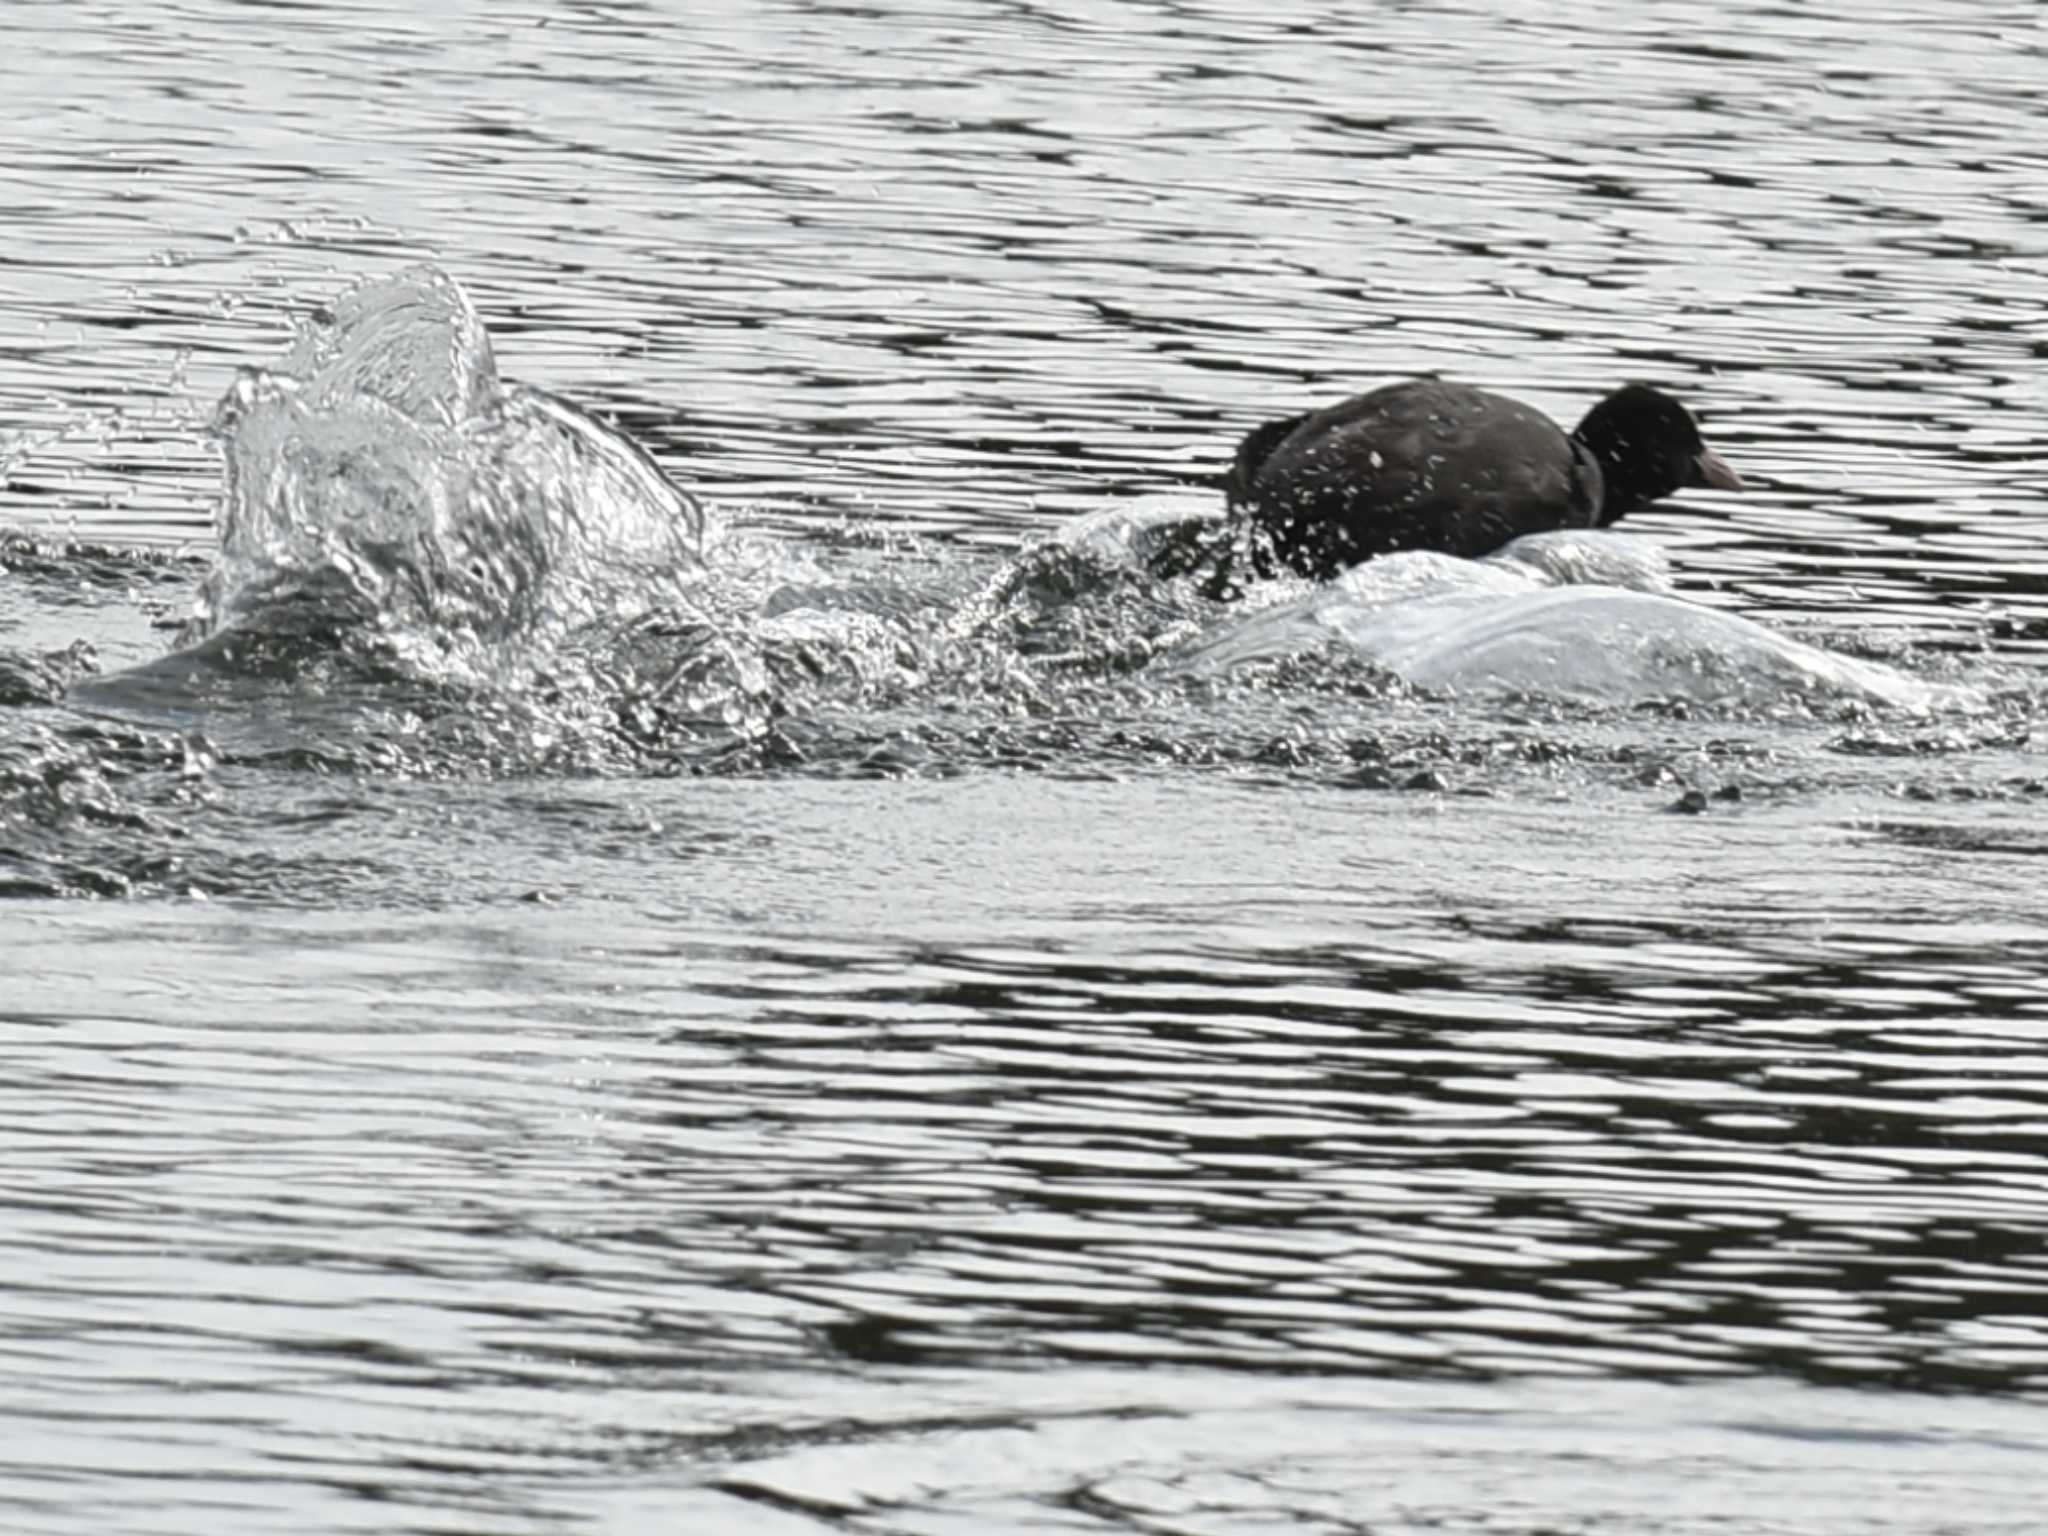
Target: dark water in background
(1063, 1095)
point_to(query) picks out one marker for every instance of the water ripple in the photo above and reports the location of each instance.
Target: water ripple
(1010, 1089)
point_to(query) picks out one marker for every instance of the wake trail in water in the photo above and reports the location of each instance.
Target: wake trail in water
(426, 569)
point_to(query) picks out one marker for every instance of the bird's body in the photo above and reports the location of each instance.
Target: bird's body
(1429, 464)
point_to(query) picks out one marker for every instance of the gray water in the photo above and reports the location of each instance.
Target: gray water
(988, 1046)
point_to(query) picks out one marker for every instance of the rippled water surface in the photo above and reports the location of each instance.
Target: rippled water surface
(858, 1008)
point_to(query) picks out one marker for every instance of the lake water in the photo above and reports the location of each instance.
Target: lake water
(869, 1013)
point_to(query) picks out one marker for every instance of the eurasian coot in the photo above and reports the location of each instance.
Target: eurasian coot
(1431, 465)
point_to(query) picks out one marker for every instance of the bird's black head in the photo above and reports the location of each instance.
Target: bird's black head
(1648, 446)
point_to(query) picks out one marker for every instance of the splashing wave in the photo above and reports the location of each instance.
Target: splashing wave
(384, 470)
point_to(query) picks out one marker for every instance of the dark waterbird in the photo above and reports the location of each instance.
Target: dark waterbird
(1432, 465)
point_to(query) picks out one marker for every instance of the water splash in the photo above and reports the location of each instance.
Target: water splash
(1584, 616)
(385, 473)
(460, 574)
